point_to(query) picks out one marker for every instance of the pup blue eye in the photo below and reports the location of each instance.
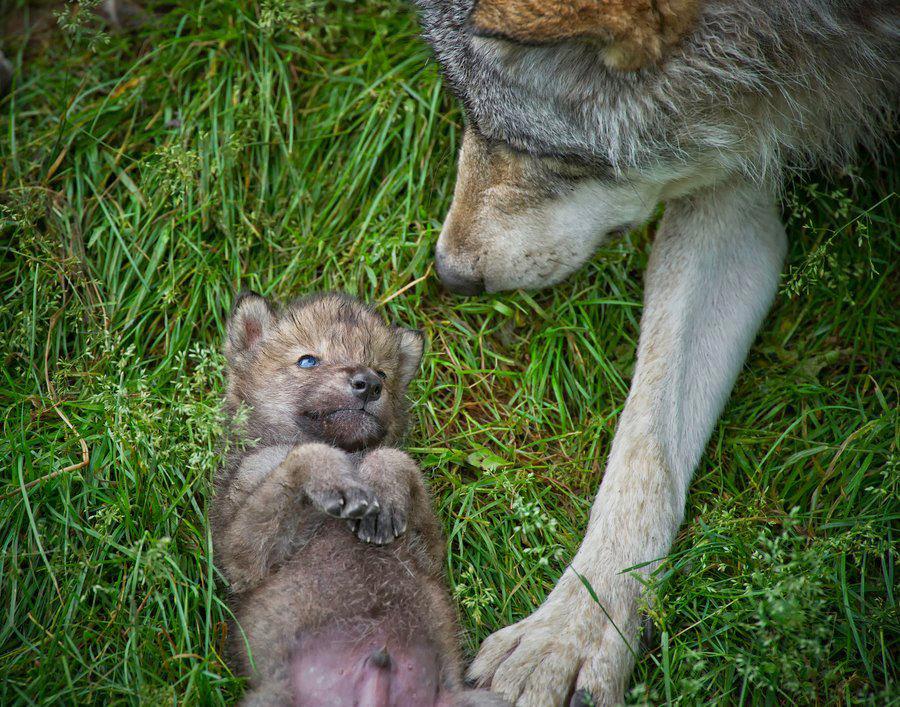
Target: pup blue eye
(381, 374)
(307, 362)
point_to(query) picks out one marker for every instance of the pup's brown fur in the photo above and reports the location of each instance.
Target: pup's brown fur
(636, 32)
(332, 614)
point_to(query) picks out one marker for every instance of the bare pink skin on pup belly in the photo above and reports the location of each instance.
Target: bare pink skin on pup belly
(332, 666)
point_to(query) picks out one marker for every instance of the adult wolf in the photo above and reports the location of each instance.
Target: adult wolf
(583, 116)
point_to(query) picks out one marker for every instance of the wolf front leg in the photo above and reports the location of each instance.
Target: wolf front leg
(711, 278)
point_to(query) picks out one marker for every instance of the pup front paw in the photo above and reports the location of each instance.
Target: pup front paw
(380, 527)
(350, 499)
(389, 472)
(326, 476)
(371, 518)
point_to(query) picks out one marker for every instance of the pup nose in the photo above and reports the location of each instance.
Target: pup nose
(366, 385)
(456, 281)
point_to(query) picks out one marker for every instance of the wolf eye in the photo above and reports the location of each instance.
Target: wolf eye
(307, 361)
(381, 374)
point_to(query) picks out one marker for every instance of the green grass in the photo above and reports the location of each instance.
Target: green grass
(306, 145)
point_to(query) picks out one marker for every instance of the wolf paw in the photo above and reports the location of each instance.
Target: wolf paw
(567, 652)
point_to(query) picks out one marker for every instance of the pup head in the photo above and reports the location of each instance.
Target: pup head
(326, 366)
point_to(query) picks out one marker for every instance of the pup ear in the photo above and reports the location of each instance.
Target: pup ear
(412, 344)
(251, 318)
(635, 32)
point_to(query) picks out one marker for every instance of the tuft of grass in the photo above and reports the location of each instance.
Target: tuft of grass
(295, 145)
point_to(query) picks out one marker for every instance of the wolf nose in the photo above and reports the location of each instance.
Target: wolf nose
(366, 385)
(456, 281)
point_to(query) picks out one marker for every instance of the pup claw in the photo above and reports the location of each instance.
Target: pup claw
(367, 528)
(398, 524)
(384, 533)
(333, 505)
(359, 503)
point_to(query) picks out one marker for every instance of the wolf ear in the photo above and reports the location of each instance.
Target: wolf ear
(412, 344)
(634, 33)
(251, 318)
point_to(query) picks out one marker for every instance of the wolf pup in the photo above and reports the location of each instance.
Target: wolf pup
(325, 531)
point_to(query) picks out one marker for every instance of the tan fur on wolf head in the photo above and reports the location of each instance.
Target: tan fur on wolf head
(518, 221)
(637, 32)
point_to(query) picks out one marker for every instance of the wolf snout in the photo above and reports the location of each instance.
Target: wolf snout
(455, 279)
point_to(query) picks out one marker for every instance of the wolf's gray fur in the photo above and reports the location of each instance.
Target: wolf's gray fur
(759, 85)
(560, 152)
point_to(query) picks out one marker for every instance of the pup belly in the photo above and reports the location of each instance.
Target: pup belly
(375, 669)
